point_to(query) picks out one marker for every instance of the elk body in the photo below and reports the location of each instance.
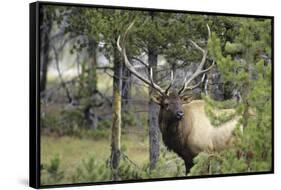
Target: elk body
(187, 130)
(185, 127)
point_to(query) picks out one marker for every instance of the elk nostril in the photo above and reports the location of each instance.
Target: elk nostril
(180, 114)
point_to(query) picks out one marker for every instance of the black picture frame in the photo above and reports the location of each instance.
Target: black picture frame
(34, 93)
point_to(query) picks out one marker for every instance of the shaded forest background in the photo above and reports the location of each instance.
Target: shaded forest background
(97, 120)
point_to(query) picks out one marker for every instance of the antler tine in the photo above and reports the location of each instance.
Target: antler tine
(209, 31)
(131, 68)
(171, 83)
(196, 85)
(139, 60)
(199, 70)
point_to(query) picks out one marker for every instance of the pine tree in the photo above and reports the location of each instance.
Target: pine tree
(246, 62)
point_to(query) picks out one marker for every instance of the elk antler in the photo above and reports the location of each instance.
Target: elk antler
(199, 70)
(171, 83)
(131, 68)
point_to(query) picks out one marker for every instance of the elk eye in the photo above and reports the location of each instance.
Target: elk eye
(165, 105)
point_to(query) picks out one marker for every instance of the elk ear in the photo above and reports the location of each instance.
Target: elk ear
(156, 98)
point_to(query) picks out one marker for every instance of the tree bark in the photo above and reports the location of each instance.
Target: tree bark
(174, 68)
(93, 71)
(153, 111)
(93, 89)
(88, 86)
(126, 89)
(214, 86)
(126, 94)
(45, 40)
(116, 118)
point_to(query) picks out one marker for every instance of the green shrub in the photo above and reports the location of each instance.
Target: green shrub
(51, 173)
(168, 165)
(91, 170)
(105, 123)
(128, 119)
(233, 48)
(49, 123)
(72, 123)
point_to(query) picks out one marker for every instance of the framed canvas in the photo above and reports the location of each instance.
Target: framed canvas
(121, 94)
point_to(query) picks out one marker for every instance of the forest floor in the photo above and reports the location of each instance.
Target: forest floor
(73, 150)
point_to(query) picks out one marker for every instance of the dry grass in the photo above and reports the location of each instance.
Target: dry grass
(72, 150)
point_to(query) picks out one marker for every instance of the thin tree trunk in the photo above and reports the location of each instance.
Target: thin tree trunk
(116, 118)
(45, 49)
(153, 114)
(93, 71)
(174, 69)
(63, 84)
(214, 86)
(126, 93)
(93, 89)
(126, 88)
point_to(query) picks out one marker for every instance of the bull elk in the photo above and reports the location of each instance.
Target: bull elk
(185, 127)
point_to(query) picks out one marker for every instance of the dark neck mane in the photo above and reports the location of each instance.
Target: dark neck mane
(172, 135)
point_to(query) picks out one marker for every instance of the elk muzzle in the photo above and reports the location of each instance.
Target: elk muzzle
(179, 115)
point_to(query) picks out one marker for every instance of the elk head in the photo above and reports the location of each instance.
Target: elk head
(170, 102)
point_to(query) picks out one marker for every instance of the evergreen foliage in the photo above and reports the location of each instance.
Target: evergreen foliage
(52, 171)
(91, 171)
(246, 63)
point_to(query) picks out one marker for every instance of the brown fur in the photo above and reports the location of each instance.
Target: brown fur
(193, 133)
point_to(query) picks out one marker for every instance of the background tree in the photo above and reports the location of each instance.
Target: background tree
(112, 27)
(246, 61)
(47, 16)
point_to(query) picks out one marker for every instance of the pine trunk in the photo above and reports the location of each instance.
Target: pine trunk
(153, 114)
(45, 40)
(93, 87)
(126, 91)
(116, 118)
